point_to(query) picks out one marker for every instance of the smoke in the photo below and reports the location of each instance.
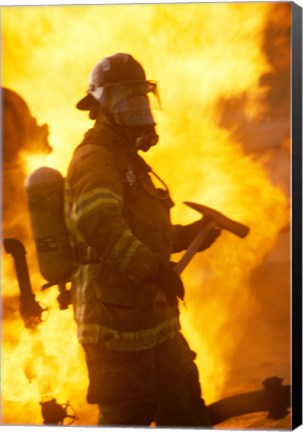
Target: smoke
(265, 343)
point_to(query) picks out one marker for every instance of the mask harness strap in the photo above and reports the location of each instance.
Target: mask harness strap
(140, 163)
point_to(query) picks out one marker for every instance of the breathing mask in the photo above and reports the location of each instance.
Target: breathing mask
(119, 85)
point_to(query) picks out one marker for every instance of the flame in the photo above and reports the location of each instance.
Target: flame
(203, 56)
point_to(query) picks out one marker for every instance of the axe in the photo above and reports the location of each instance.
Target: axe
(216, 219)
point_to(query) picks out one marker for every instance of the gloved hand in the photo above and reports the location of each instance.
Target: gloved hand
(186, 234)
(169, 282)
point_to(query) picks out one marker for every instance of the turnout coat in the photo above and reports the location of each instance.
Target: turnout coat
(120, 229)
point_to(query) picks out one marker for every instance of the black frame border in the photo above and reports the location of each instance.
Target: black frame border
(296, 106)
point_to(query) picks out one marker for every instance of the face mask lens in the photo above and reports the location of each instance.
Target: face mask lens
(131, 102)
(134, 111)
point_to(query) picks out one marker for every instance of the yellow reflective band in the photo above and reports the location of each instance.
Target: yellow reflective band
(126, 248)
(81, 294)
(131, 340)
(89, 333)
(131, 252)
(122, 244)
(93, 199)
(70, 224)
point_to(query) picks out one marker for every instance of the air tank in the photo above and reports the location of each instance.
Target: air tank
(45, 197)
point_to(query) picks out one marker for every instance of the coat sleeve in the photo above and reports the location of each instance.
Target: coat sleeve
(97, 209)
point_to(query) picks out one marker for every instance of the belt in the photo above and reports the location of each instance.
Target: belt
(84, 254)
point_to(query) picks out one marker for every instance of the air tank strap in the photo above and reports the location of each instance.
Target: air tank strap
(84, 254)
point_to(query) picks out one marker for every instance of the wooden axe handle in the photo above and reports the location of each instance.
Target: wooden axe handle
(193, 247)
(220, 219)
(217, 219)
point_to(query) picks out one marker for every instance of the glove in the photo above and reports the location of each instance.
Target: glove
(169, 282)
(186, 234)
(210, 238)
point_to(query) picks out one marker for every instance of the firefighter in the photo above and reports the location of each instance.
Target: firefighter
(125, 291)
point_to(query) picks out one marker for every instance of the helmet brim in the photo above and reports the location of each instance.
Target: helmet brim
(85, 103)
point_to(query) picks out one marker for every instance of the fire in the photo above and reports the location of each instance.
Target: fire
(202, 56)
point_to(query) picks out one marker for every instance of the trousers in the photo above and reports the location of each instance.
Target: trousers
(159, 385)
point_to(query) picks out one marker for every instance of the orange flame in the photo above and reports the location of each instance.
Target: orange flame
(203, 56)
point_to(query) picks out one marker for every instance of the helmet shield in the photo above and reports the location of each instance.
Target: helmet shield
(129, 102)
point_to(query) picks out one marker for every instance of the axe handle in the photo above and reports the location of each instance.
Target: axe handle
(194, 247)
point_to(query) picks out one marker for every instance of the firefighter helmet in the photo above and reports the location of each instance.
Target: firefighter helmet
(119, 84)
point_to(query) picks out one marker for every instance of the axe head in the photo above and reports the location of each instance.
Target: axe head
(220, 219)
